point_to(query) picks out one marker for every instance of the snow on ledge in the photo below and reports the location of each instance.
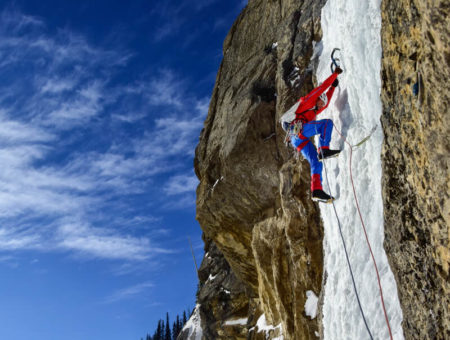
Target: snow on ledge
(311, 304)
(242, 321)
(262, 326)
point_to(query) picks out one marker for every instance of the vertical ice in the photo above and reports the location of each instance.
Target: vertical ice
(354, 27)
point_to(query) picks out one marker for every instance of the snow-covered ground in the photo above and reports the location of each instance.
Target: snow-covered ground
(354, 27)
(193, 329)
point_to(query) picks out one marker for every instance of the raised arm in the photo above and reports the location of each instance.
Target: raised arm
(308, 102)
(314, 94)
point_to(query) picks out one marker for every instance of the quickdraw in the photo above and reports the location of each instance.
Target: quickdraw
(365, 139)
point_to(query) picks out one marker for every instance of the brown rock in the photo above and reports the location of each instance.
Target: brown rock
(416, 40)
(253, 199)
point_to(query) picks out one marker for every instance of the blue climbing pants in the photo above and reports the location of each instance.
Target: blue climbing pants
(324, 128)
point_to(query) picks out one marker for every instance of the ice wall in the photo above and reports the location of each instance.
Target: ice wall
(354, 27)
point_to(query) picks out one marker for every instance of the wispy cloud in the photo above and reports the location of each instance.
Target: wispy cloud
(180, 202)
(167, 29)
(181, 184)
(104, 243)
(14, 132)
(165, 90)
(17, 239)
(16, 21)
(170, 21)
(201, 4)
(58, 85)
(9, 261)
(129, 292)
(181, 190)
(76, 145)
(174, 17)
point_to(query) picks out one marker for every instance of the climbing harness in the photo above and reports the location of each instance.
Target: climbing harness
(292, 125)
(294, 129)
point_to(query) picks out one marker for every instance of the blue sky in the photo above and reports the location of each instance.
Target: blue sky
(101, 106)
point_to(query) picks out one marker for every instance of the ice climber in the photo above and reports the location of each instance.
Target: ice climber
(305, 126)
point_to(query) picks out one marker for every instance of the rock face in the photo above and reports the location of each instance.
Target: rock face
(263, 235)
(253, 198)
(416, 40)
(222, 297)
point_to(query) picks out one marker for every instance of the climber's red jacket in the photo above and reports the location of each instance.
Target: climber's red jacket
(306, 111)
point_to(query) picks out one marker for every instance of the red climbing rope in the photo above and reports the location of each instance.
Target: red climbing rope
(367, 238)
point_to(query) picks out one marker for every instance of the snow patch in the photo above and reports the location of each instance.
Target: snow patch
(193, 326)
(262, 326)
(215, 184)
(242, 321)
(311, 304)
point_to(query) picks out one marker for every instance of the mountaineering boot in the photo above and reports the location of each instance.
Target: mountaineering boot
(327, 153)
(319, 195)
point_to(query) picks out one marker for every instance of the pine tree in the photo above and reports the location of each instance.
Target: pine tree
(176, 328)
(167, 335)
(180, 324)
(155, 335)
(163, 328)
(163, 331)
(159, 333)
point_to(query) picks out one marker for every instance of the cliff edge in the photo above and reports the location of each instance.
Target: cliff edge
(253, 198)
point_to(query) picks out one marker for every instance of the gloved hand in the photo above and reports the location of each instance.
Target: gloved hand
(335, 83)
(338, 70)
